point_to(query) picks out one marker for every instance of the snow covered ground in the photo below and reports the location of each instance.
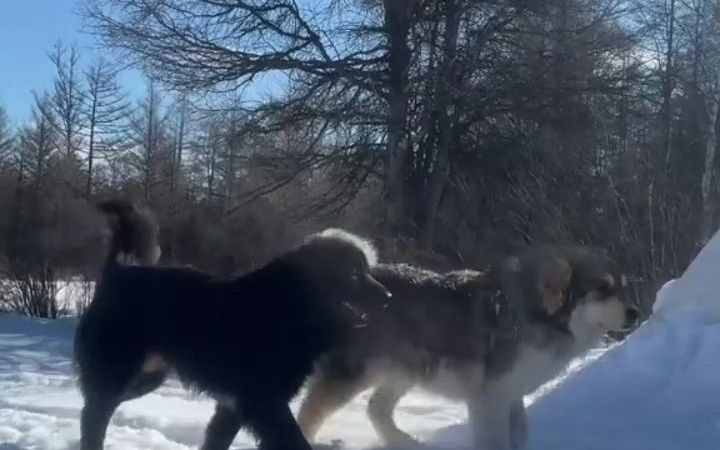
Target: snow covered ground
(658, 390)
(39, 402)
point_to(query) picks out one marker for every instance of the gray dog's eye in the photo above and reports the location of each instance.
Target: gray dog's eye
(605, 290)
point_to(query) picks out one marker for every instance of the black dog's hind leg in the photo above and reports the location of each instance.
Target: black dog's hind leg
(143, 384)
(274, 425)
(223, 427)
(100, 404)
(108, 379)
(99, 408)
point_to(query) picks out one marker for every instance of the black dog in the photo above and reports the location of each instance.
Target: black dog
(250, 342)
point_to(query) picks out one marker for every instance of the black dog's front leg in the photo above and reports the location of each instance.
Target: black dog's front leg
(276, 428)
(223, 427)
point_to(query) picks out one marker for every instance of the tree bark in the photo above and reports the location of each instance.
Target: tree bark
(178, 155)
(668, 86)
(444, 93)
(91, 146)
(708, 200)
(398, 15)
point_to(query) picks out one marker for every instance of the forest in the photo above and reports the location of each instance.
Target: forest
(449, 131)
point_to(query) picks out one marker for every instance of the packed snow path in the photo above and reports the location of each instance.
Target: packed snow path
(40, 403)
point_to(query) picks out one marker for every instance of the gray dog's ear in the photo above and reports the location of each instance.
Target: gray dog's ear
(553, 282)
(470, 280)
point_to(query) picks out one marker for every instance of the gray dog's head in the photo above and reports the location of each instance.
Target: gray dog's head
(579, 287)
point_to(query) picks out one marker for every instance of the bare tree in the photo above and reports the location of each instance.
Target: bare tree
(223, 45)
(668, 79)
(398, 22)
(181, 115)
(233, 144)
(150, 151)
(38, 142)
(6, 136)
(66, 105)
(708, 40)
(446, 91)
(106, 110)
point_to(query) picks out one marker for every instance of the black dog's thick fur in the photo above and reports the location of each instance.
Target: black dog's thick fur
(249, 341)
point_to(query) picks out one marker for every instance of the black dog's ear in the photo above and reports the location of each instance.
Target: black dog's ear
(374, 287)
(553, 282)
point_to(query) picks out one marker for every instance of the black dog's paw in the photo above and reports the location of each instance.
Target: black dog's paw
(335, 444)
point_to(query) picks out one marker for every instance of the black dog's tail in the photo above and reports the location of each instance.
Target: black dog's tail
(134, 234)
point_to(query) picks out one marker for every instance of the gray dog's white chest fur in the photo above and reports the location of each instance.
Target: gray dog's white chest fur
(531, 369)
(453, 381)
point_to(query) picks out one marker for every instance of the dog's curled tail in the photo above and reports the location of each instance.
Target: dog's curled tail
(134, 234)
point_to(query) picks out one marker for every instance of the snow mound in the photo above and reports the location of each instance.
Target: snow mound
(658, 390)
(697, 289)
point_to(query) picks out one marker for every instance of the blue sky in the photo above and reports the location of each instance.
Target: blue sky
(28, 30)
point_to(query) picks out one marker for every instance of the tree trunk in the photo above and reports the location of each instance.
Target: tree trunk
(398, 14)
(708, 200)
(150, 142)
(211, 170)
(231, 171)
(13, 237)
(91, 147)
(177, 163)
(444, 92)
(668, 86)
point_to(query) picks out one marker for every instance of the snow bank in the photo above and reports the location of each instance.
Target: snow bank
(658, 390)
(697, 289)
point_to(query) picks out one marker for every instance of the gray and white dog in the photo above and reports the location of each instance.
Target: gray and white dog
(485, 338)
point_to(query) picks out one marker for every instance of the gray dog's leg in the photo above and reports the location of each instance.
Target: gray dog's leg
(380, 410)
(518, 424)
(325, 395)
(489, 414)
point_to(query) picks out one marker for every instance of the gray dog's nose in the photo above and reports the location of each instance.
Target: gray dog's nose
(632, 316)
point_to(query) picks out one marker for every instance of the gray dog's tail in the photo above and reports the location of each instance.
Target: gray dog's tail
(134, 235)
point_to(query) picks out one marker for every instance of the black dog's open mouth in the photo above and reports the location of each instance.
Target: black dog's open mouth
(360, 316)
